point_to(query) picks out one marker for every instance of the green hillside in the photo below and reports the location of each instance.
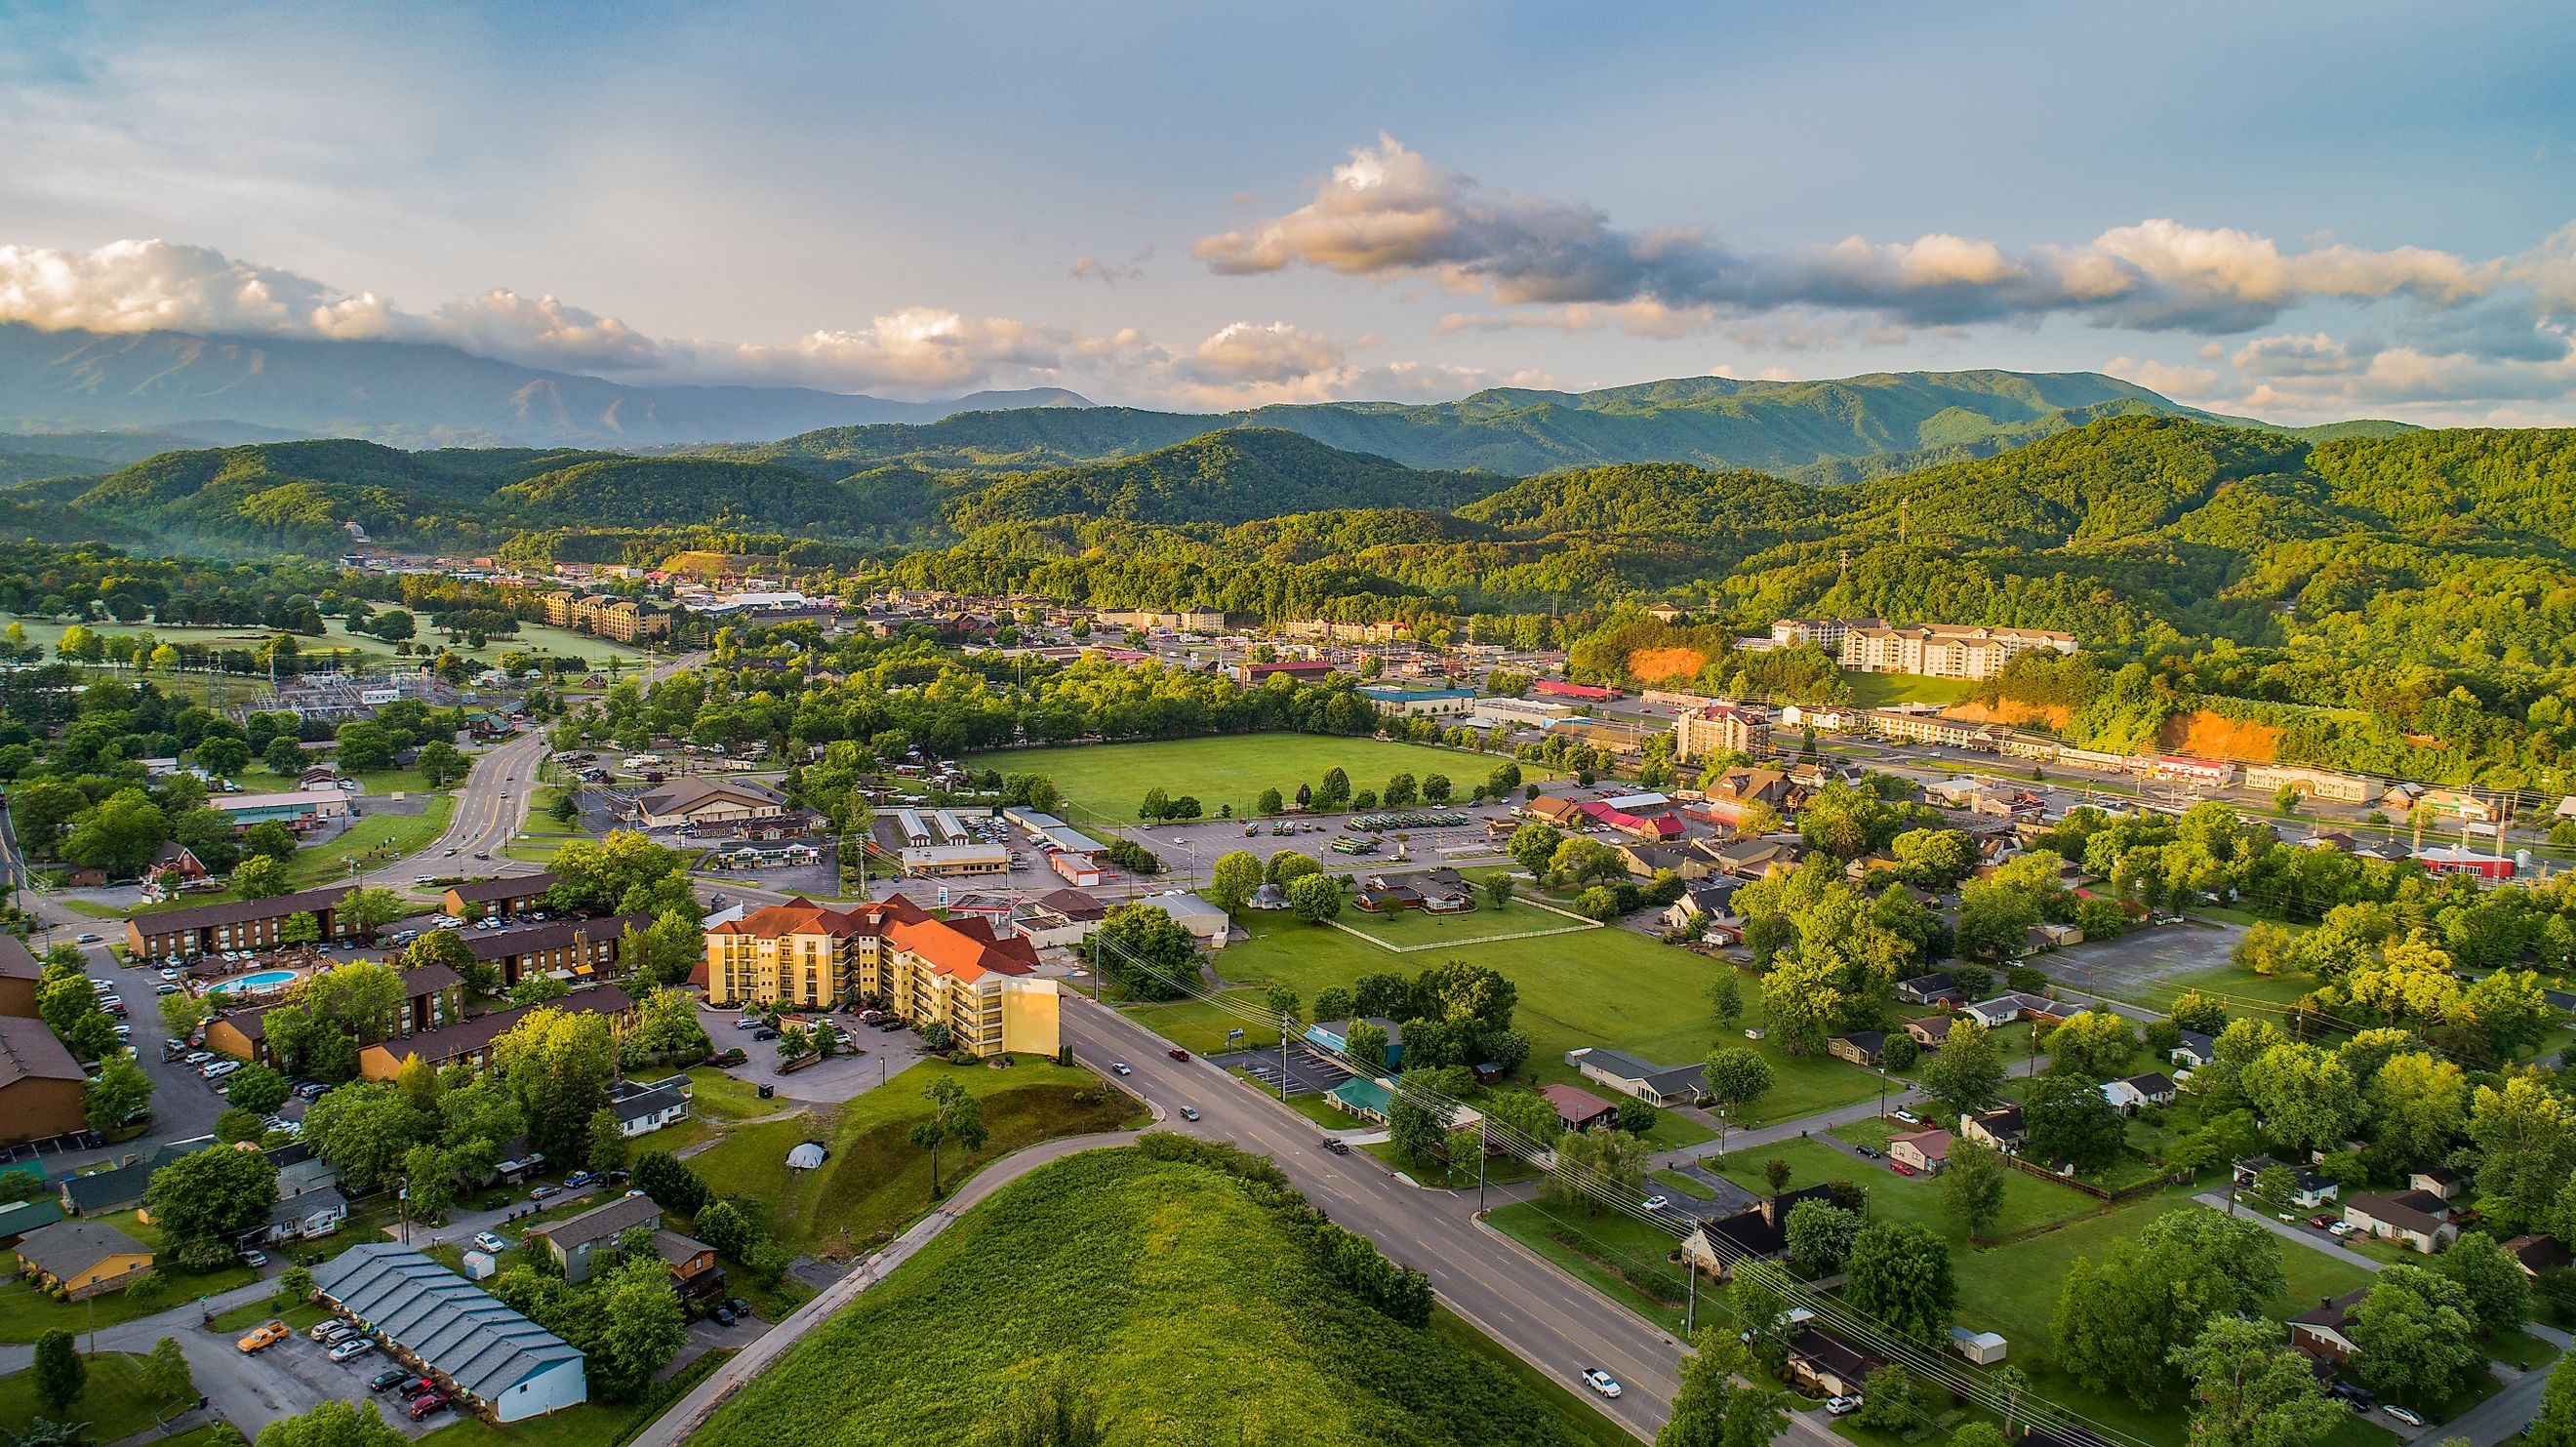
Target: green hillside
(1222, 477)
(1163, 1293)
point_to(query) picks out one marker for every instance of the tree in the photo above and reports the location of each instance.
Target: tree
(1890, 1400)
(2095, 1044)
(303, 927)
(165, 1372)
(333, 1424)
(637, 1326)
(1723, 1401)
(2067, 1119)
(2415, 1335)
(442, 763)
(1534, 844)
(1637, 1117)
(237, 1124)
(1972, 1185)
(1498, 888)
(1594, 1166)
(363, 747)
(1365, 1043)
(1967, 1074)
(365, 911)
(2526, 1142)
(1804, 1000)
(61, 1374)
(120, 835)
(956, 1116)
(1819, 1235)
(670, 1182)
(2251, 1389)
(1737, 1079)
(204, 1202)
(2117, 1324)
(1268, 803)
(1233, 879)
(259, 877)
(536, 988)
(558, 1067)
(2418, 1106)
(365, 1130)
(120, 1090)
(1315, 898)
(1900, 1274)
(2556, 1424)
(282, 757)
(2305, 1097)
(1412, 1127)
(1146, 953)
(257, 1088)
(2499, 1294)
(605, 1149)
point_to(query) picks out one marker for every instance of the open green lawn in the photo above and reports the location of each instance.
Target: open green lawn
(875, 1181)
(1103, 782)
(1878, 690)
(372, 841)
(1914, 1200)
(1601, 987)
(1616, 1254)
(114, 1403)
(26, 1313)
(1409, 929)
(1160, 1291)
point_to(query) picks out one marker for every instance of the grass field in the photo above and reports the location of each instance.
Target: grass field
(1163, 1293)
(1103, 782)
(1615, 1254)
(1915, 1200)
(875, 1181)
(1412, 929)
(1601, 987)
(114, 1403)
(1878, 690)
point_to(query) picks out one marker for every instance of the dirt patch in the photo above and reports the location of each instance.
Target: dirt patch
(2008, 712)
(1659, 665)
(2205, 735)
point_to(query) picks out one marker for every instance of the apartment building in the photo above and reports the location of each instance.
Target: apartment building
(1942, 650)
(250, 924)
(1825, 633)
(925, 969)
(607, 616)
(1926, 728)
(1719, 728)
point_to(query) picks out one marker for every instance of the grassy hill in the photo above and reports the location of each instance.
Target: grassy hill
(1165, 1294)
(1220, 477)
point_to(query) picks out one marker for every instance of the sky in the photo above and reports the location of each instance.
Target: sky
(2301, 212)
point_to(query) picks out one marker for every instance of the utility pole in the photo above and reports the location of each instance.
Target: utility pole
(1284, 1021)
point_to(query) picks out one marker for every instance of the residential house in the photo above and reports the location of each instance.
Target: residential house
(1924, 1150)
(2129, 1095)
(2534, 1254)
(1388, 899)
(81, 1259)
(1750, 858)
(1861, 1047)
(20, 975)
(174, 868)
(2010, 1006)
(1335, 1036)
(1936, 988)
(2047, 936)
(2324, 1332)
(642, 1109)
(583, 1244)
(2440, 1182)
(17, 1218)
(1706, 900)
(2194, 1051)
(1744, 1227)
(41, 1085)
(307, 1216)
(1565, 814)
(1645, 861)
(2417, 1219)
(1823, 1364)
(1580, 1109)
(1930, 1031)
(1628, 1075)
(2001, 1128)
(692, 1263)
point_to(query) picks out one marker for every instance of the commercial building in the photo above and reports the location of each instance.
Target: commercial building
(297, 809)
(1825, 633)
(1720, 728)
(1943, 650)
(1420, 702)
(2314, 783)
(1587, 692)
(924, 969)
(607, 616)
(704, 801)
(457, 1334)
(249, 924)
(1532, 712)
(1301, 670)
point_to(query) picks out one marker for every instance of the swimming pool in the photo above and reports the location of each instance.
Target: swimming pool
(263, 981)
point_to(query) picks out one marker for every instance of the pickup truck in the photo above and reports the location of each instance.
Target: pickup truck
(262, 1338)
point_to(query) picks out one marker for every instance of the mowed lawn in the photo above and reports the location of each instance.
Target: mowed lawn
(1106, 781)
(1914, 1200)
(1609, 987)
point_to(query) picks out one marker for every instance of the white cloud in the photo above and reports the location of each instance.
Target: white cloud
(2182, 383)
(1389, 213)
(1278, 352)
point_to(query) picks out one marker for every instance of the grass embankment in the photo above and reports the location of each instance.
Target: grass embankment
(592, 1424)
(1162, 1292)
(875, 1181)
(114, 1403)
(1102, 783)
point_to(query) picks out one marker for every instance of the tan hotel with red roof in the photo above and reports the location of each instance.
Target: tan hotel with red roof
(954, 971)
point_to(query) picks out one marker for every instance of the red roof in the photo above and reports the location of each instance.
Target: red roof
(1563, 689)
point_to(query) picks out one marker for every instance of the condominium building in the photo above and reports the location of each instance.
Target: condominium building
(607, 616)
(1825, 633)
(925, 970)
(1719, 728)
(1941, 650)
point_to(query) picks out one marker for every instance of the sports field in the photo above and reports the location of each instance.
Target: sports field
(1104, 782)
(1601, 987)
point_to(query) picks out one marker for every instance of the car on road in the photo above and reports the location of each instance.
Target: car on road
(1120, 1067)
(1177, 1053)
(2406, 1415)
(1189, 1112)
(87, 937)
(488, 1241)
(352, 1349)
(449, 852)
(386, 1381)
(482, 854)
(426, 1403)
(542, 1192)
(1601, 1381)
(1842, 1406)
(1657, 1203)
(262, 1338)
(1336, 1145)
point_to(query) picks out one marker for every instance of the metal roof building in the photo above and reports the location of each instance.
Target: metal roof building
(456, 1330)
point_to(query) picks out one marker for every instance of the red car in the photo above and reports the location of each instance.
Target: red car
(1900, 1169)
(426, 1403)
(2321, 1222)
(1178, 1054)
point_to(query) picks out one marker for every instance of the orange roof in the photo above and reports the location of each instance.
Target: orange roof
(952, 951)
(962, 949)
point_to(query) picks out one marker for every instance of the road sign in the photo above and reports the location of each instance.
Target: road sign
(943, 896)
(1233, 1034)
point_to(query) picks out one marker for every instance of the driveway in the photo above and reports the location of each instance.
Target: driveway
(883, 1055)
(2305, 1235)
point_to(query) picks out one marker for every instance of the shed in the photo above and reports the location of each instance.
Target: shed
(1982, 1347)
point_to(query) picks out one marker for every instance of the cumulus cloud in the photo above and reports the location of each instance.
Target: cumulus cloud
(2179, 382)
(142, 286)
(1088, 267)
(1277, 352)
(1390, 213)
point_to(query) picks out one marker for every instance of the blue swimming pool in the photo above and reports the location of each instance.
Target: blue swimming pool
(264, 980)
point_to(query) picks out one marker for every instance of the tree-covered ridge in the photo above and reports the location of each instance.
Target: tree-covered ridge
(1221, 477)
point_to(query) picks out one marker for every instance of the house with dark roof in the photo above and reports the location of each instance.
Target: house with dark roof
(1823, 1364)
(2324, 1331)
(1927, 1151)
(1628, 1075)
(1936, 988)
(2440, 1182)
(20, 974)
(305, 1216)
(643, 1109)
(2536, 1254)
(2417, 1219)
(82, 1259)
(2194, 1051)
(1758, 1230)
(17, 1218)
(471, 1040)
(1861, 1047)
(2001, 1128)
(247, 924)
(571, 950)
(578, 1242)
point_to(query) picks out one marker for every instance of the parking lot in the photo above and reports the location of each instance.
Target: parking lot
(297, 1374)
(1308, 1072)
(1190, 851)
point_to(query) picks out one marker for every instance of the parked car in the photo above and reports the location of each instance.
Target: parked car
(487, 1241)
(1601, 1381)
(2406, 1415)
(722, 1315)
(541, 1192)
(1869, 1151)
(388, 1380)
(327, 1332)
(764, 1033)
(352, 1349)
(2322, 1222)
(254, 1258)
(261, 1339)
(417, 1386)
(1842, 1406)
(426, 1403)
(1907, 1116)
(579, 1179)
(740, 1306)
(1900, 1168)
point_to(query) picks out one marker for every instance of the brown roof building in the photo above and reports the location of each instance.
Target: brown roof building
(40, 1083)
(502, 898)
(472, 1040)
(247, 924)
(20, 974)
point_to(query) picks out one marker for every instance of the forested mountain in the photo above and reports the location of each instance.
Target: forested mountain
(404, 392)
(1222, 477)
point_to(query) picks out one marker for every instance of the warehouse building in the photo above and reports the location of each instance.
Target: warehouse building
(457, 1334)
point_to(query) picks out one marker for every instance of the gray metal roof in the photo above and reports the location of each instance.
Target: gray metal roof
(451, 1324)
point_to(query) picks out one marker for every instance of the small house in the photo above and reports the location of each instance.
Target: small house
(2536, 1254)
(582, 1244)
(1930, 1031)
(1823, 1364)
(1923, 1150)
(82, 1259)
(2001, 1128)
(2439, 1182)
(2194, 1051)
(2324, 1332)
(1578, 1109)
(2417, 1219)
(1861, 1047)
(1935, 988)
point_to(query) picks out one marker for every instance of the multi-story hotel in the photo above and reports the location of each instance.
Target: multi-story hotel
(1940, 650)
(1718, 728)
(925, 969)
(607, 616)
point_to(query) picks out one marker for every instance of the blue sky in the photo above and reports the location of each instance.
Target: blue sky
(2301, 211)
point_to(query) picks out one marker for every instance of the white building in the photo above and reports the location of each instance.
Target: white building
(1942, 650)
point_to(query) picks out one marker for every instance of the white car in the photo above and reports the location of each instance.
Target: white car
(352, 1349)
(1907, 1116)
(88, 938)
(1601, 1381)
(487, 1241)
(1842, 1406)
(2406, 1415)
(1657, 1203)
(2339, 1228)
(220, 1069)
